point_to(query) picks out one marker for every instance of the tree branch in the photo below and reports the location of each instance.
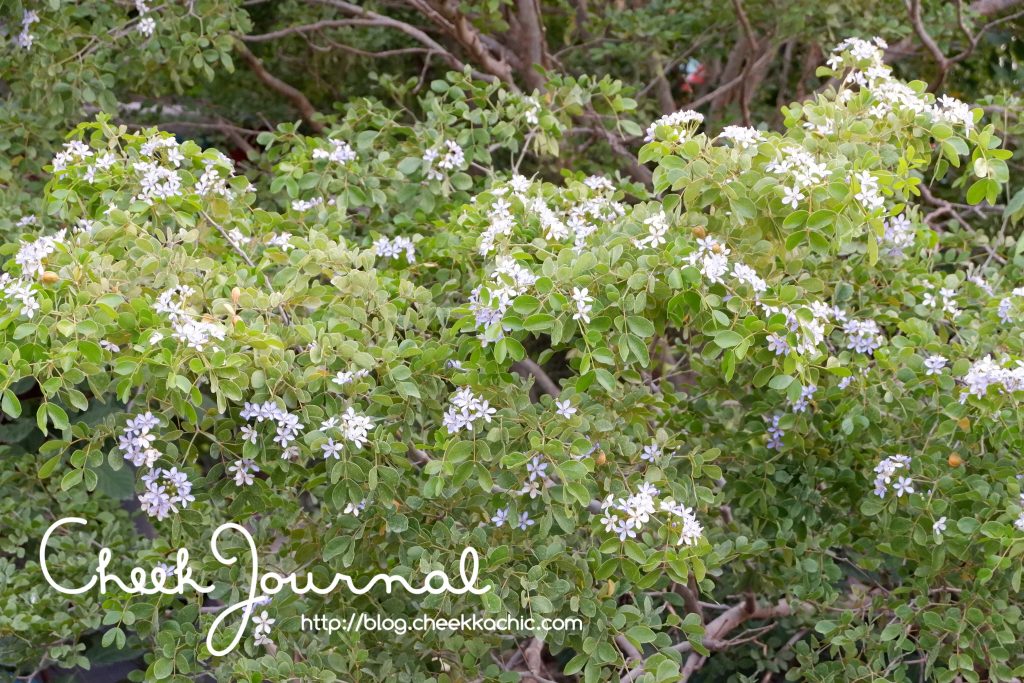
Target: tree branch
(290, 92)
(527, 366)
(717, 629)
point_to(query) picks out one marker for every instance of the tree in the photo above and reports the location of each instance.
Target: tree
(745, 404)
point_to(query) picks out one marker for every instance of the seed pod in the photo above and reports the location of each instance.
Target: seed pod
(50, 277)
(964, 424)
(955, 460)
(717, 248)
(601, 459)
(699, 232)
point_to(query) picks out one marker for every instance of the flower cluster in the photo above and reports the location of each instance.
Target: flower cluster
(391, 248)
(340, 152)
(510, 279)
(288, 425)
(711, 258)
(195, 333)
(212, 182)
(31, 255)
(1006, 305)
(657, 228)
(19, 292)
(261, 628)
(147, 24)
(742, 137)
(583, 302)
(157, 182)
(243, 471)
(500, 517)
(74, 150)
(886, 470)
(500, 224)
(466, 410)
(868, 193)
(775, 432)
(865, 59)
(303, 205)
(453, 159)
(681, 125)
(863, 336)
(986, 373)
(354, 428)
(25, 39)
(899, 234)
(165, 491)
(136, 440)
(348, 376)
(803, 170)
(806, 394)
(626, 517)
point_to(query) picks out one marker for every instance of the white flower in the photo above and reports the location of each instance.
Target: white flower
(792, 196)
(935, 364)
(146, 26)
(777, 344)
(466, 411)
(392, 248)
(565, 408)
(904, 485)
(499, 517)
(340, 153)
(243, 472)
(584, 304)
(348, 376)
(625, 530)
(657, 228)
(651, 452)
(354, 508)
(262, 622)
(331, 449)
(742, 136)
(525, 522)
(165, 491)
(939, 526)
(682, 125)
(248, 434)
(536, 468)
(355, 427)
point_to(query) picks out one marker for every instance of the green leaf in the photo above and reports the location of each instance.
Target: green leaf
(727, 339)
(642, 327)
(10, 403)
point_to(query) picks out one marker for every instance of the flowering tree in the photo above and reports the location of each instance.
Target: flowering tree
(761, 407)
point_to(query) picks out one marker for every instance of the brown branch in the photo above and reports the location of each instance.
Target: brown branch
(290, 92)
(627, 648)
(446, 15)
(369, 18)
(748, 30)
(731, 85)
(532, 43)
(715, 632)
(528, 367)
(305, 28)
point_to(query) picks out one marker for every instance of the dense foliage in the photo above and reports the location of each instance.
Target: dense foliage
(745, 400)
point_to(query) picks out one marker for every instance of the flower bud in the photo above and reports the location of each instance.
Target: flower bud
(236, 293)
